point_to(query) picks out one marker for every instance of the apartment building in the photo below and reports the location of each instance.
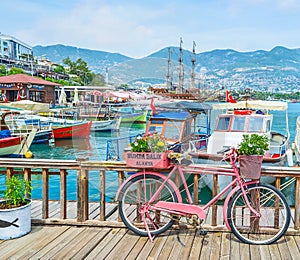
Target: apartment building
(14, 49)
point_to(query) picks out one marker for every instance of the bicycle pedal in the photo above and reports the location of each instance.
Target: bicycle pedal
(203, 232)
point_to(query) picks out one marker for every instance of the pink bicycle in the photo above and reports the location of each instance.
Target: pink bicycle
(150, 203)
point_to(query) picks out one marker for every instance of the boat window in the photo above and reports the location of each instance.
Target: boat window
(255, 124)
(223, 123)
(238, 124)
(157, 122)
(268, 126)
(155, 129)
(173, 130)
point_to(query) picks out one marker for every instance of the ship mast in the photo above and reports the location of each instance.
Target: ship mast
(193, 60)
(180, 72)
(168, 76)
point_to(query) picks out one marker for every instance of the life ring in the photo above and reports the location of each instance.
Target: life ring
(243, 112)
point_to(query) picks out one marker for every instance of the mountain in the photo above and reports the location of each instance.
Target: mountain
(97, 61)
(277, 66)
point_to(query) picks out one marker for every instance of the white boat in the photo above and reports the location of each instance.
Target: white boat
(22, 124)
(106, 125)
(244, 117)
(296, 144)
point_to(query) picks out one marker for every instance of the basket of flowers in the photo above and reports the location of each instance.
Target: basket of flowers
(251, 151)
(149, 151)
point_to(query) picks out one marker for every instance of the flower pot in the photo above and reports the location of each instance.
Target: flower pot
(15, 222)
(147, 160)
(250, 166)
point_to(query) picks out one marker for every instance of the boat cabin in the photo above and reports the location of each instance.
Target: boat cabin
(230, 128)
(176, 127)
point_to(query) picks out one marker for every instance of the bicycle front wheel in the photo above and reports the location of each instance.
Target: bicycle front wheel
(273, 209)
(134, 199)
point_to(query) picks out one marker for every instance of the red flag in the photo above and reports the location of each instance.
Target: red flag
(229, 98)
(18, 96)
(152, 106)
(5, 99)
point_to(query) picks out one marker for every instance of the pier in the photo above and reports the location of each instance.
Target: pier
(88, 229)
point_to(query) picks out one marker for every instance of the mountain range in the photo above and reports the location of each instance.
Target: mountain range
(270, 67)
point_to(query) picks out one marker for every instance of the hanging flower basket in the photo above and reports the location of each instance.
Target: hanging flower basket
(250, 166)
(147, 160)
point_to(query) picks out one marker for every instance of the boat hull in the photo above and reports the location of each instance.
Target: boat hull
(105, 125)
(81, 130)
(134, 117)
(10, 145)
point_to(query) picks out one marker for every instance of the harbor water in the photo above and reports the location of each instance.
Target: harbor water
(95, 149)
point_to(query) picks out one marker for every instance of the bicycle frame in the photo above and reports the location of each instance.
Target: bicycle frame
(183, 209)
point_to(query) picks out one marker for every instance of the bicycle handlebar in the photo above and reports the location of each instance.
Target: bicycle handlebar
(231, 154)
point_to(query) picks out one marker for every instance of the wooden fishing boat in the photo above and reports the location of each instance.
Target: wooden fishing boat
(241, 118)
(22, 124)
(244, 117)
(68, 131)
(10, 145)
(178, 122)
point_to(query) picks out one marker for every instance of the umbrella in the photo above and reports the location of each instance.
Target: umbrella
(63, 97)
(76, 98)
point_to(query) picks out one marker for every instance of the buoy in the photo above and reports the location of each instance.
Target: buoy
(289, 155)
(28, 154)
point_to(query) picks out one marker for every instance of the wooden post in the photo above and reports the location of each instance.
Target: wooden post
(27, 177)
(9, 172)
(214, 206)
(82, 195)
(196, 189)
(63, 194)
(102, 195)
(121, 177)
(45, 194)
(297, 204)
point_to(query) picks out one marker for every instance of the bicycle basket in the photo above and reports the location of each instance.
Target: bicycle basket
(250, 166)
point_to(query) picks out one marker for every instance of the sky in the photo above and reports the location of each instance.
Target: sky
(138, 28)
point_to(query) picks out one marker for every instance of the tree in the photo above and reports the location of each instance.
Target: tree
(79, 68)
(14, 70)
(2, 70)
(59, 69)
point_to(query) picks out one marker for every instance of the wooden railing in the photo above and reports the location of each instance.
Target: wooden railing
(45, 168)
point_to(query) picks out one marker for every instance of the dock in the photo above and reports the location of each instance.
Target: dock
(73, 242)
(82, 229)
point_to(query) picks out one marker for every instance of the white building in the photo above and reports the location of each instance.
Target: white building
(14, 49)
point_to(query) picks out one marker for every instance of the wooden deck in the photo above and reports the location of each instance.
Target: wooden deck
(95, 239)
(70, 242)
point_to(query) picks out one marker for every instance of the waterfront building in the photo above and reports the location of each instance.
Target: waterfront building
(14, 49)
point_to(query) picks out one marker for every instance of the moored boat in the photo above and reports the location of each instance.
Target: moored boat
(10, 145)
(22, 124)
(244, 117)
(68, 131)
(241, 118)
(296, 144)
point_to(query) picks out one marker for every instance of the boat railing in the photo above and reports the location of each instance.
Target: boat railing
(281, 146)
(49, 211)
(115, 147)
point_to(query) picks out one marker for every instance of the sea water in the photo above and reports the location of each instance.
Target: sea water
(95, 149)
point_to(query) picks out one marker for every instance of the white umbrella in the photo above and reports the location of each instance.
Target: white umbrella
(76, 97)
(63, 97)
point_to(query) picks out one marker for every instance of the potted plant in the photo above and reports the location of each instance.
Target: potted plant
(251, 150)
(149, 151)
(15, 209)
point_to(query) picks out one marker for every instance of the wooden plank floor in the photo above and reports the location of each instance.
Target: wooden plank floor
(65, 242)
(113, 242)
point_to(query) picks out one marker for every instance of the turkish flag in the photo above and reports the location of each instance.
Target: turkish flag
(229, 98)
(18, 96)
(152, 106)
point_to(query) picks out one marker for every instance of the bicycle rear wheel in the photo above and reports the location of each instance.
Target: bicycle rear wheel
(135, 196)
(274, 215)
